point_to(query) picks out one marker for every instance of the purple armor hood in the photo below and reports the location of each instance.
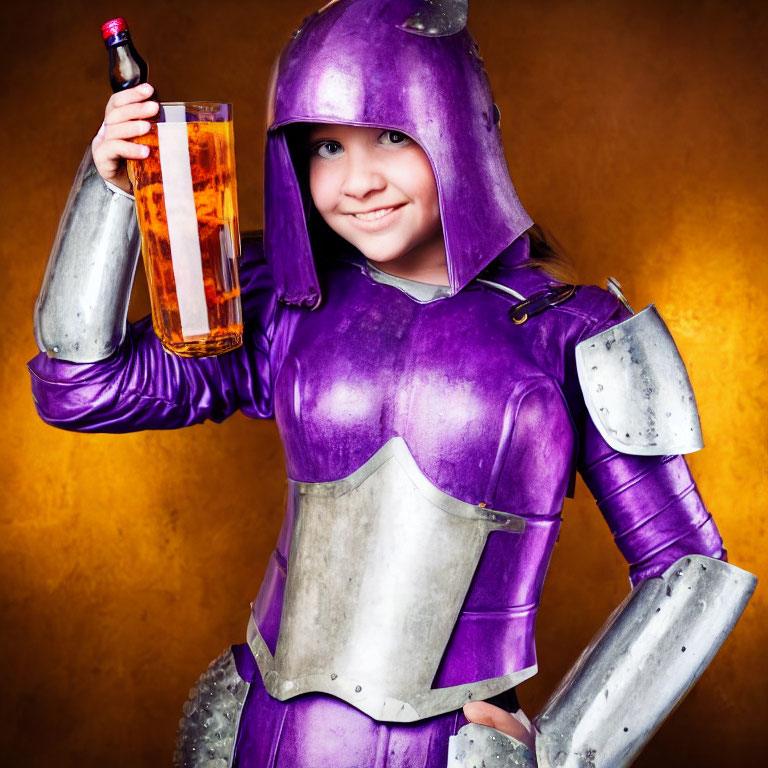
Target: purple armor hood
(374, 63)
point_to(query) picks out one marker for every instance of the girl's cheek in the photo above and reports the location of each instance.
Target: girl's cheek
(318, 189)
(422, 178)
(325, 183)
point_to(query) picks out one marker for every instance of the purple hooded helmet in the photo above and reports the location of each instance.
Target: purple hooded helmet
(406, 65)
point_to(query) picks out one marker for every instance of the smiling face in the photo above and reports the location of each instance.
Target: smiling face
(375, 188)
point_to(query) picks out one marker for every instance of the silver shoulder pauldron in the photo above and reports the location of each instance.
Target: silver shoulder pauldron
(637, 390)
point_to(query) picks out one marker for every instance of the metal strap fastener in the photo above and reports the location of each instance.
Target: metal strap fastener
(534, 305)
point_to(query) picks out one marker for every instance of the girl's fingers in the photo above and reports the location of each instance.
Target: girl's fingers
(132, 111)
(113, 151)
(129, 130)
(130, 95)
(482, 713)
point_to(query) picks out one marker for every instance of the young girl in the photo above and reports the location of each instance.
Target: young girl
(422, 370)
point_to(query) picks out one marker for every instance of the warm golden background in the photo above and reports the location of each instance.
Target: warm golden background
(636, 130)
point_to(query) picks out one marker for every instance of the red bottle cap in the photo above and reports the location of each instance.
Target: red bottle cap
(112, 27)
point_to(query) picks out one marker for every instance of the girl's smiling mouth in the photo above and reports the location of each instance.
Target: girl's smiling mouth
(377, 217)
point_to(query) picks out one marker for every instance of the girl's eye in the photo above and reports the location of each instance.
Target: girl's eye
(327, 149)
(394, 138)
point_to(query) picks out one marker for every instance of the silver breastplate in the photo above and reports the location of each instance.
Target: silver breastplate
(379, 566)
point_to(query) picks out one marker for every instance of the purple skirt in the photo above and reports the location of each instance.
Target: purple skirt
(320, 731)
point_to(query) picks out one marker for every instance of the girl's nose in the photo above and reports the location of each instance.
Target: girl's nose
(363, 176)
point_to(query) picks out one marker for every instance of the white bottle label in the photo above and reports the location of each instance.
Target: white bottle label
(182, 228)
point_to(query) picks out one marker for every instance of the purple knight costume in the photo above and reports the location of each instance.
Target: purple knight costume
(431, 434)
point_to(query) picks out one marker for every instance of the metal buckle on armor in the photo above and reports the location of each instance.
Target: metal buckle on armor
(536, 304)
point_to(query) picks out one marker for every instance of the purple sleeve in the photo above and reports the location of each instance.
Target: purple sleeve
(652, 506)
(143, 387)
(651, 503)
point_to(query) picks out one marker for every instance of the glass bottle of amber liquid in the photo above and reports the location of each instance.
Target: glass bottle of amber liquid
(186, 204)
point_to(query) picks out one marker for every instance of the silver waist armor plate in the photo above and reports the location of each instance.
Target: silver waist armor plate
(637, 390)
(379, 567)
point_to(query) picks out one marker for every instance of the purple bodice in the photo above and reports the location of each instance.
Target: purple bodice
(491, 412)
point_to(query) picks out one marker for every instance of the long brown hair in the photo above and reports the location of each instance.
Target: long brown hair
(548, 255)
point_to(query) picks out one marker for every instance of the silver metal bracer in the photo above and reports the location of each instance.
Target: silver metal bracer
(80, 315)
(379, 567)
(643, 661)
(637, 390)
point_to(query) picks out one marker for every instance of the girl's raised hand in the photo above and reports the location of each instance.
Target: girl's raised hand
(125, 118)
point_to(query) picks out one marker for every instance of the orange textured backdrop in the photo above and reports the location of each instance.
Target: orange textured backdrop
(636, 131)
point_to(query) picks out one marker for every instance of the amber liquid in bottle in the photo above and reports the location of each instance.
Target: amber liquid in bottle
(215, 194)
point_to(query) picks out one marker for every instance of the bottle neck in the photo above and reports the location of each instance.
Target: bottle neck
(121, 38)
